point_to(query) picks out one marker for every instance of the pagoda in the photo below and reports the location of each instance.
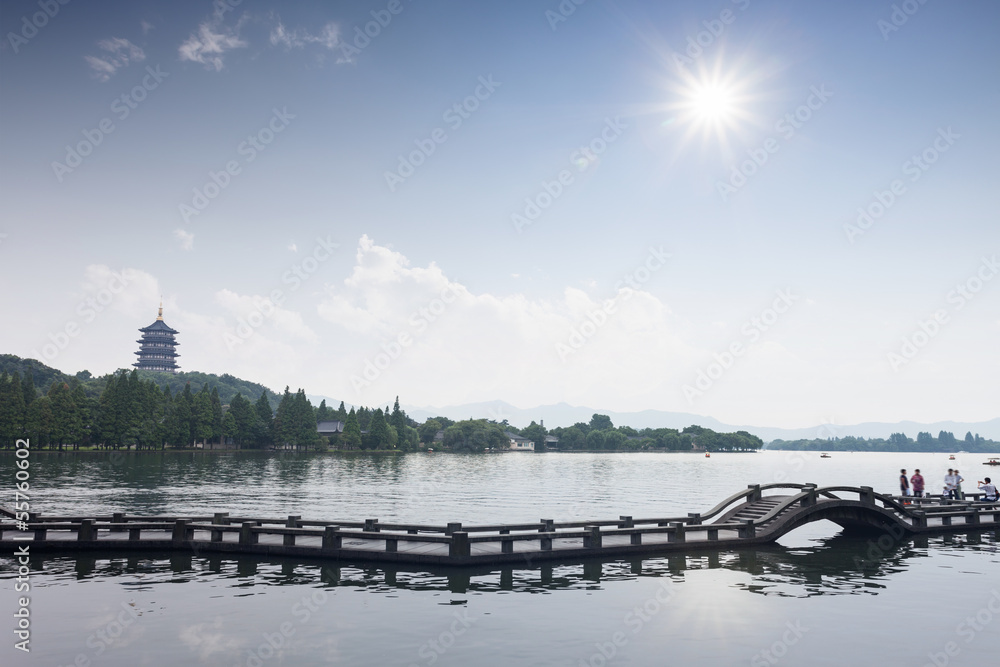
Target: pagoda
(156, 351)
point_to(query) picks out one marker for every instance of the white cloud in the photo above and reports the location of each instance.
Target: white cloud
(293, 247)
(146, 26)
(210, 44)
(328, 37)
(186, 239)
(120, 53)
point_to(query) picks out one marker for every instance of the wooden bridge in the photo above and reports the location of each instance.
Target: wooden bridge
(759, 515)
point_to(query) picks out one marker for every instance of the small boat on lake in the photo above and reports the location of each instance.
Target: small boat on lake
(824, 455)
(707, 455)
(951, 458)
(992, 461)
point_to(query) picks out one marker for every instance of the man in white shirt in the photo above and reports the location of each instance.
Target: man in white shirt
(989, 491)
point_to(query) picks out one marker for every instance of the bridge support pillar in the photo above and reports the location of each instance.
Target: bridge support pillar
(391, 545)
(331, 538)
(635, 538)
(713, 534)
(678, 533)
(973, 517)
(593, 538)
(545, 544)
(507, 547)
(946, 521)
(292, 522)
(748, 529)
(919, 519)
(459, 546)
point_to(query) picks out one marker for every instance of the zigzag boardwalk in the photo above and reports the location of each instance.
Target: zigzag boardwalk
(744, 519)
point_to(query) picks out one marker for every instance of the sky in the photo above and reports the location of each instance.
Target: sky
(772, 213)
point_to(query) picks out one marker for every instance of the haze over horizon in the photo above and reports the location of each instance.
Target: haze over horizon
(769, 213)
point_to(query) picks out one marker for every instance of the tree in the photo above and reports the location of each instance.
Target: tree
(12, 410)
(536, 433)
(398, 418)
(351, 438)
(202, 416)
(475, 435)
(378, 432)
(216, 415)
(600, 423)
(263, 425)
(428, 430)
(28, 387)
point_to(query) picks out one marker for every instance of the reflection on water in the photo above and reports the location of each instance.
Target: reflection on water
(838, 565)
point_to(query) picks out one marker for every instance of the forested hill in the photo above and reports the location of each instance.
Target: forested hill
(227, 385)
(897, 442)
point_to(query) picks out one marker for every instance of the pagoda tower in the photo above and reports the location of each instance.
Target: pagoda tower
(156, 351)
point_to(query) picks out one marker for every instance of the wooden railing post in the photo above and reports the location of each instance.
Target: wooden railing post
(459, 546)
(592, 540)
(756, 495)
(748, 529)
(87, 531)
(371, 526)
(247, 536)
(118, 517)
(331, 538)
(625, 522)
(452, 528)
(867, 495)
(292, 522)
(220, 519)
(694, 518)
(678, 533)
(810, 498)
(181, 531)
(548, 525)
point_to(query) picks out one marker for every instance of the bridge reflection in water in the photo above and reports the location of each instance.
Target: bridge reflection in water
(831, 566)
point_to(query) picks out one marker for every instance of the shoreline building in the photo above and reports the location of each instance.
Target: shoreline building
(157, 347)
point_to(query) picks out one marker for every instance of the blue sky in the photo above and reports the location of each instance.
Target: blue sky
(446, 284)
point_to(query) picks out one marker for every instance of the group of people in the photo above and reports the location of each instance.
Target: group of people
(952, 486)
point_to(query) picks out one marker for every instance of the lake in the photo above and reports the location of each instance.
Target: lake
(815, 598)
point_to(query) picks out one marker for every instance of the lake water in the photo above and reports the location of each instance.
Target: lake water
(816, 598)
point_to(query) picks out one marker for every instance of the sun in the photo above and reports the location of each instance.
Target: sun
(712, 103)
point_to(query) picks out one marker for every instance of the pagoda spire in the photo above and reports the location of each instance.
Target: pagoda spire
(160, 316)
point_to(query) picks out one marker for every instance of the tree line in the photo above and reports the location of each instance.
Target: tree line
(896, 442)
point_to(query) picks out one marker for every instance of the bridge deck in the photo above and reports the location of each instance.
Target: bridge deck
(745, 519)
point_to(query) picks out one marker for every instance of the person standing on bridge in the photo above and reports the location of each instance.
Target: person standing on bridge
(958, 486)
(989, 490)
(918, 484)
(904, 483)
(949, 484)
